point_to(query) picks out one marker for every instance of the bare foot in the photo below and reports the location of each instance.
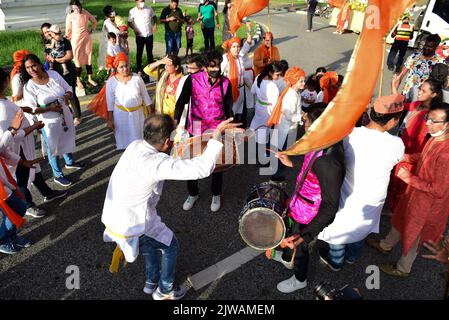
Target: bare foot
(76, 122)
(92, 82)
(79, 84)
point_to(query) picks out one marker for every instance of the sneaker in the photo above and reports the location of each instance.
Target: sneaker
(175, 294)
(75, 165)
(216, 203)
(348, 261)
(398, 70)
(290, 285)
(55, 195)
(278, 257)
(150, 287)
(35, 212)
(63, 181)
(190, 201)
(22, 242)
(324, 258)
(375, 244)
(308, 31)
(391, 68)
(9, 248)
(391, 269)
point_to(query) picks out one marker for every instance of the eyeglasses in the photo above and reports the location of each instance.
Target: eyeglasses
(433, 121)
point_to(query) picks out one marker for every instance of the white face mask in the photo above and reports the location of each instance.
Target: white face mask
(438, 133)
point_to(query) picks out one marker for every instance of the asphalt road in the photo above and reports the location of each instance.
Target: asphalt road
(71, 234)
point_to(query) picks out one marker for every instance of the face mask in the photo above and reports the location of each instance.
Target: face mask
(202, 1)
(214, 74)
(438, 133)
(141, 5)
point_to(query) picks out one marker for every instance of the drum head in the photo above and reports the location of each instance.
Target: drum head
(262, 228)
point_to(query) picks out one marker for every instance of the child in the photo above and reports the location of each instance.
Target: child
(190, 33)
(113, 49)
(309, 95)
(57, 47)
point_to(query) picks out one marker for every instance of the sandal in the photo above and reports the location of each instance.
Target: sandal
(92, 83)
(76, 122)
(79, 84)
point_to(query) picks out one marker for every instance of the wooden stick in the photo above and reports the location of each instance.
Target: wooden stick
(269, 17)
(382, 67)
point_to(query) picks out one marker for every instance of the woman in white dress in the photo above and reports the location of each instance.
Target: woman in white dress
(233, 67)
(47, 93)
(128, 103)
(266, 93)
(287, 114)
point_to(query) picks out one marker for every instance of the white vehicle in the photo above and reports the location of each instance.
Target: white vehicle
(433, 18)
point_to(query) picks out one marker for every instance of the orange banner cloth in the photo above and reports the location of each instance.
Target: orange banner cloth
(342, 113)
(336, 3)
(243, 8)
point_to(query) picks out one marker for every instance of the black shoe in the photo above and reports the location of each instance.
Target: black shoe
(55, 195)
(324, 258)
(391, 68)
(398, 69)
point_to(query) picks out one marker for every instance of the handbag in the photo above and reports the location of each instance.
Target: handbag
(304, 207)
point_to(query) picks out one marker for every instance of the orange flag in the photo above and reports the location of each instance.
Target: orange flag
(336, 3)
(342, 113)
(243, 8)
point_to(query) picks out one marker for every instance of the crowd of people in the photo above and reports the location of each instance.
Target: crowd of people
(393, 158)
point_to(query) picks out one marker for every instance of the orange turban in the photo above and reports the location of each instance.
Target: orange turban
(292, 76)
(328, 80)
(17, 57)
(228, 43)
(121, 56)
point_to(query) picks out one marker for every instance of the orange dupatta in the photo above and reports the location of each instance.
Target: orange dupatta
(17, 57)
(15, 219)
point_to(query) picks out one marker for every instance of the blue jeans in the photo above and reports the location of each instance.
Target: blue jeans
(7, 229)
(165, 275)
(172, 42)
(54, 160)
(338, 252)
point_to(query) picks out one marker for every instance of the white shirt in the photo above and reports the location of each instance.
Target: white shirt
(281, 84)
(370, 155)
(113, 50)
(6, 139)
(136, 186)
(308, 95)
(142, 19)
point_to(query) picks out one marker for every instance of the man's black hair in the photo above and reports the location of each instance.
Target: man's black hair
(157, 128)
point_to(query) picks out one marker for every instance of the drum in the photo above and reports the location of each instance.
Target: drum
(261, 223)
(195, 146)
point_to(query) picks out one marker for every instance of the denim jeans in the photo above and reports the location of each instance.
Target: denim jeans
(7, 229)
(209, 38)
(172, 42)
(140, 43)
(165, 275)
(350, 251)
(54, 160)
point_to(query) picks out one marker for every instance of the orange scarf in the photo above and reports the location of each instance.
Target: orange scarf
(15, 219)
(292, 76)
(328, 80)
(233, 69)
(17, 57)
(98, 105)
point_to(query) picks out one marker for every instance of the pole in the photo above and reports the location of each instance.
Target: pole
(382, 67)
(269, 17)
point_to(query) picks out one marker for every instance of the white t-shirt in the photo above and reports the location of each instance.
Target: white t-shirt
(142, 19)
(113, 50)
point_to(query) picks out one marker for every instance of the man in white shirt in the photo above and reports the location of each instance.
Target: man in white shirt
(370, 155)
(143, 21)
(129, 211)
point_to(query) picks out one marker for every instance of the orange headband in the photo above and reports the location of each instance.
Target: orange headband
(121, 56)
(228, 43)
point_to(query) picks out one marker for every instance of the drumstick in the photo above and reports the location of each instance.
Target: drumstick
(271, 150)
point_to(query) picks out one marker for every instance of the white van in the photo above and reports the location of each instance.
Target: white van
(434, 18)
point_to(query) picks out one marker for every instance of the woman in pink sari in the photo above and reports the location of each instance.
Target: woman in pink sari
(78, 32)
(343, 18)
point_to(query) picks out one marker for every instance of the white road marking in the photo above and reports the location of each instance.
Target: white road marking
(223, 267)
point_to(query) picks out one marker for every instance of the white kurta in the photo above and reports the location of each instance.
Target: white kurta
(108, 26)
(11, 159)
(370, 155)
(128, 125)
(8, 111)
(266, 97)
(291, 116)
(244, 80)
(17, 90)
(135, 188)
(36, 95)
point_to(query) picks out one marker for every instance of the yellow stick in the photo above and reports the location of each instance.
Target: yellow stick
(382, 67)
(269, 17)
